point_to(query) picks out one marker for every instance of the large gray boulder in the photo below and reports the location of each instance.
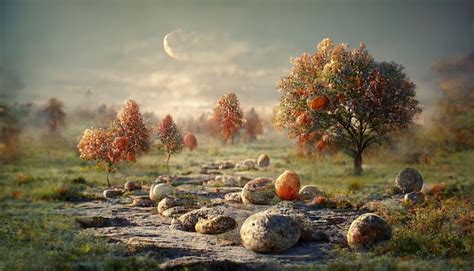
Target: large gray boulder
(367, 230)
(266, 232)
(409, 180)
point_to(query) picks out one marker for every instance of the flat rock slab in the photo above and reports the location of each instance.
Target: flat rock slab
(146, 230)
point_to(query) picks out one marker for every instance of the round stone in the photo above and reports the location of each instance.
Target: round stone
(409, 180)
(413, 198)
(264, 232)
(165, 204)
(215, 225)
(258, 191)
(287, 186)
(367, 230)
(112, 193)
(263, 161)
(233, 197)
(174, 211)
(309, 192)
(160, 191)
(142, 201)
(131, 185)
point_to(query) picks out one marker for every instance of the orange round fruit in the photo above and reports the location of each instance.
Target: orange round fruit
(190, 141)
(318, 103)
(287, 186)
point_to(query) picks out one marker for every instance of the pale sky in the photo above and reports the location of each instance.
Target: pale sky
(115, 48)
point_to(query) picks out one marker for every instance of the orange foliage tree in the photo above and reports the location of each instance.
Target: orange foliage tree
(9, 134)
(124, 140)
(170, 137)
(253, 125)
(344, 98)
(228, 115)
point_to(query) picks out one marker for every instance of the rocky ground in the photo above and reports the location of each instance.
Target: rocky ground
(144, 229)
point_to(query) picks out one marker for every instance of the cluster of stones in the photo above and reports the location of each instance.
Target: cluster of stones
(262, 162)
(280, 226)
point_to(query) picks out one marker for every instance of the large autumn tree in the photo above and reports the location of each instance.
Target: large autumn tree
(346, 98)
(124, 140)
(228, 116)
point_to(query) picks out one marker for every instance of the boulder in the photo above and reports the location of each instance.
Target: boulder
(170, 202)
(174, 211)
(258, 191)
(160, 191)
(142, 201)
(263, 161)
(287, 186)
(409, 180)
(309, 192)
(215, 225)
(187, 221)
(265, 232)
(233, 197)
(112, 193)
(131, 185)
(367, 230)
(413, 198)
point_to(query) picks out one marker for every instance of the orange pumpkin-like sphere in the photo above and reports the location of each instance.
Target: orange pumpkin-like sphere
(287, 186)
(190, 141)
(318, 103)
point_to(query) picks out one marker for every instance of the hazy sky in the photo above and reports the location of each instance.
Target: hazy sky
(115, 48)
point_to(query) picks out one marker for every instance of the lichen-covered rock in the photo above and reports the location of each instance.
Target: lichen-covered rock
(170, 202)
(225, 180)
(233, 197)
(131, 185)
(166, 203)
(367, 230)
(258, 191)
(264, 232)
(413, 198)
(112, 193)
(160, 191)
(142, 201)
(215, 225)
(263, 161)
(187, 221)
(309, 192)
(174, 211)
(409, 180)
(287, 186)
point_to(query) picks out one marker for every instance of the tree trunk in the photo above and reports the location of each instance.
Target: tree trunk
(107, 170)
(168, 163)
(358, 163)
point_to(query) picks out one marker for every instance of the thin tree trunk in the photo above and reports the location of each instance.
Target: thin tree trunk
(168, 163)
(358, 163)
(107, 169)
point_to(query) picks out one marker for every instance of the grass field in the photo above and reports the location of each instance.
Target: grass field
(37, 191)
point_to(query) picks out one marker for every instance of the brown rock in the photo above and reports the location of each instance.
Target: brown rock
(215, 225)
(259, 191)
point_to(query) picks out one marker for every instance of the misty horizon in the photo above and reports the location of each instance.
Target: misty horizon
(180, 58)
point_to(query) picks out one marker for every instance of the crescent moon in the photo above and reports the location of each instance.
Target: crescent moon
(168, 49)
